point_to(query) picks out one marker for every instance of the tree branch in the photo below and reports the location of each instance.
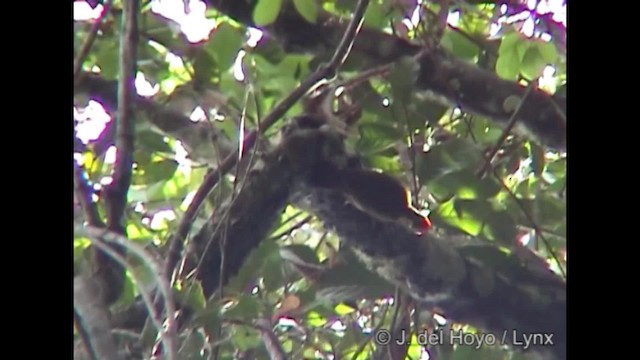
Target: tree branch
(99, 238)
(340, 54)
(117, 191)
(94, 319)
(271, 343)
(472, 284)
(455, 81)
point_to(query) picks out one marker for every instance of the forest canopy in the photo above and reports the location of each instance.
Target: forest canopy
(226, 202)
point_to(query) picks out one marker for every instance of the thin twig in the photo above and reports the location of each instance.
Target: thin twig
(117, 190)
(321, 241)
(505, 133)
(534, 224)
(346, 43)
(293, 228)
(98, 238)
(411, 151)
(381, 70)
(88, 43)
(234, 196)
(176, 242)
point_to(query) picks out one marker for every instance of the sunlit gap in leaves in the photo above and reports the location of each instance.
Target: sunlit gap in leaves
(82, 11)
(194, 25)
(254, 37)
(556, 7)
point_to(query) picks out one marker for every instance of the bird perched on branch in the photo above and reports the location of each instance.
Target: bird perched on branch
(377, 194)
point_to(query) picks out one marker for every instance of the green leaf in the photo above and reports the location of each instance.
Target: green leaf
(421, 109)
(246, 338)
(158, 171)
(342, 309)
(459, 45)
(451, 213)
(209, 317)
(374, 16)
(533, 63)
(477, 217)
(522, 47)
(266, 12)
(79, 245)
(346, 5)
(205, 67)
(128, 292)
(387, 164)
(509, 43)
(193, 296)
(108, 60)
(548, 51)
(551, 212)
(353, 336)
(272, 273)
(402, 78)
(308, 9)
(464, 184)
(152, 142)
(254, 262)
(299, 254)
(175, 188)
(247, 307)
(375, 137)
(225, 44)
(508, 66)
(348, 281)
(448, 157)
(192, 346)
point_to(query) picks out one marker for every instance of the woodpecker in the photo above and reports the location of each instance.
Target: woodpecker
(377, 194)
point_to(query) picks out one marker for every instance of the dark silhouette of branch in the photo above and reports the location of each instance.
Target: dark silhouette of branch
(84, 194)
(505, 133)
(340, 55)
(116, 192)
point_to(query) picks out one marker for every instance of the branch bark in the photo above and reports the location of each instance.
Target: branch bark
(94, 319)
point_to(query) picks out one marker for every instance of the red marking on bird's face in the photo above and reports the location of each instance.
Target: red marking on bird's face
(424, 226)
(426, 223)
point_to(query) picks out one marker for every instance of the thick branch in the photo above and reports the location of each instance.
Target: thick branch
(116, 192)
(473, 284)
(454, 80)
(339, 56)
(94, 319)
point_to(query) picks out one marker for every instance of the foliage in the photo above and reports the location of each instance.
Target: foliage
(522, 197)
